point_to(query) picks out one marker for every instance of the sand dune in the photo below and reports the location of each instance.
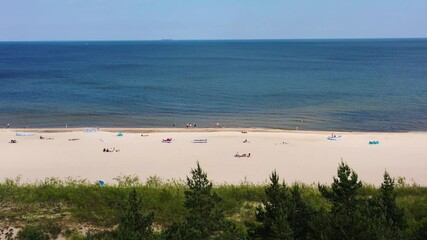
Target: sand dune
(298, 156)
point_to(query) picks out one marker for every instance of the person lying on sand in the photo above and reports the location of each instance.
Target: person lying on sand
(244, 131)
(144, 135)
(243, 155)
(246, 141)
(73, 139)
(12, 141)
(111, 150)
(46, 138)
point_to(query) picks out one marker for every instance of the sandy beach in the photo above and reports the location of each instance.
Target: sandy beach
(300, 156)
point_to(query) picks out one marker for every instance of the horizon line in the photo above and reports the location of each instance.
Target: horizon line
(218, 39)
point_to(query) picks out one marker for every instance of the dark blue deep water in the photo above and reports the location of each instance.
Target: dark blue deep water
(365, 85)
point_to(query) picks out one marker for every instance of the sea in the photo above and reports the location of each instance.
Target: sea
(348, 85)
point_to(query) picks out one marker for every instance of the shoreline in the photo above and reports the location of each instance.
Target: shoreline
(183, 129)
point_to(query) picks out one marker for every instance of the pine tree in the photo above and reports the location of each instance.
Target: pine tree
(133, 224)
(395, 220)
(273, 214)
(205, 218)
(300, 216)
(347, 219)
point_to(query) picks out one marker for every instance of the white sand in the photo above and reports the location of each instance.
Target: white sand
(306, 157)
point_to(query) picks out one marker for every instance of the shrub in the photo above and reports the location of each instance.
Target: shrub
(32, 233)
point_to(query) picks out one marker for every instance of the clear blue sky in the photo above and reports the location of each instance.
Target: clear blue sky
(210, 19)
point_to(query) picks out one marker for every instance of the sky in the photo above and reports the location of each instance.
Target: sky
(48, 20)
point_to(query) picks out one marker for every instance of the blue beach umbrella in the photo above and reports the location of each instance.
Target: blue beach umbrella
(120, 134)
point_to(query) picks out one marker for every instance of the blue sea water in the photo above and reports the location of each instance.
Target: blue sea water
(355, 85)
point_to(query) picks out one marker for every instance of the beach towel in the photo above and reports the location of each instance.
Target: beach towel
(90, 131)
(25, 134)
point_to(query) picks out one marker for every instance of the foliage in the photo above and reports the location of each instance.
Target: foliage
(273, 213)
(300, 216)
(346, 209)
(283, 214)
(205, 219)
(394, 216)
(133, 224)
(31, 232)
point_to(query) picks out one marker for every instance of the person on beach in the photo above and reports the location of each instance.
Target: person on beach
(8, 125)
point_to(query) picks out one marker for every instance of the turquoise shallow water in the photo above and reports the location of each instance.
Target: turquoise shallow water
(360, 85)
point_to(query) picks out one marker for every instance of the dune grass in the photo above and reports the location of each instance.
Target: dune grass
(73, 203)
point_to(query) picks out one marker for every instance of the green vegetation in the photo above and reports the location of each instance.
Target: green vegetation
(274, 214)
(133, 224)
(32, 233)
(196, 209)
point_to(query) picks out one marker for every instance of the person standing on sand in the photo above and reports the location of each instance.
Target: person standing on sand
(8, 125)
